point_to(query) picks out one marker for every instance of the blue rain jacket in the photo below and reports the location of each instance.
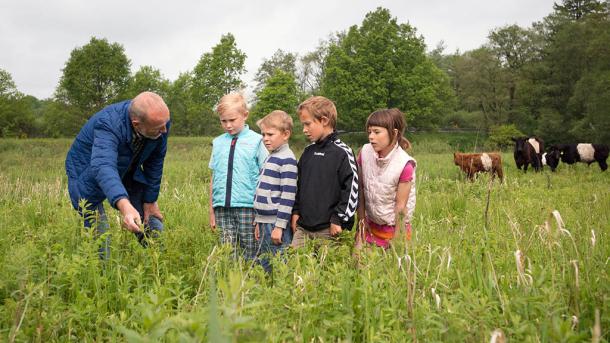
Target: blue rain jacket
(101, 153)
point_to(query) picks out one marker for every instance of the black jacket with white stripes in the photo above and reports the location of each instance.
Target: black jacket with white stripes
(327, 185)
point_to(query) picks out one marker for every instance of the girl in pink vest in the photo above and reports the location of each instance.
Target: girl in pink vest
(387, 180)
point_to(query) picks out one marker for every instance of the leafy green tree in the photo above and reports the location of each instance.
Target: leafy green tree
(500, 136)
(566, 87)
(565, 64)
(440, 60)
(179, 102)
(8, 88)
(462, 119)
(284, 61)
(551, 127)
(189, 118)
(517, 48)
(482, 85)
(16, 117)
(590, 100)
(59, 119)
(514, 47)
(429, 97)
(311, 70)
(150, 79)
(279, 93)
(218, 72)
(382, 64)
(594, 92)
(95, 75)
(577, 9)
(16, 110)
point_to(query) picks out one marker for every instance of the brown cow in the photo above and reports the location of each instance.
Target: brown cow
(476, 163)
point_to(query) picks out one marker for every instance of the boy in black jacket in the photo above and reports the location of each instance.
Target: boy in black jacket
(327, 185)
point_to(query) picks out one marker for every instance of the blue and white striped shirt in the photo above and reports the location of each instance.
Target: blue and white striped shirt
(276, 188)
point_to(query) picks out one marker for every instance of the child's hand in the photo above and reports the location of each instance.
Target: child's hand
(212, 221)
(293, 224)
(256, 233)
(335, 229)
(276, 235)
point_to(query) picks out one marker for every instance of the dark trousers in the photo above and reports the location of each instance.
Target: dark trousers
(266, 246)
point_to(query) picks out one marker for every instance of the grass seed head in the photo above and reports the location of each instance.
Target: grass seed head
(436, 297)
(558, 220)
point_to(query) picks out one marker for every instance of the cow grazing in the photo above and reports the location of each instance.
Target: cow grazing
(528, 151)
(582, 152)
(472, 164)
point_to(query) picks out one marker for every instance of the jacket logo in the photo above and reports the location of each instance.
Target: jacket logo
(318, 154)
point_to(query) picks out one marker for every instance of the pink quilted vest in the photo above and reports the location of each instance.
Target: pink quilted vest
(380, 178)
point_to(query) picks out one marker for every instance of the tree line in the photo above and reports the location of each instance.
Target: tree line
(551, 79)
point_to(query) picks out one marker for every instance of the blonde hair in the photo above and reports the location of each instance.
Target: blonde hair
(277, 119)
(318, 107)
(390, 119)
(232, 101)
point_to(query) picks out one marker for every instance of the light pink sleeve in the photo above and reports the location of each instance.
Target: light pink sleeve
(359, 159)
(407, 172)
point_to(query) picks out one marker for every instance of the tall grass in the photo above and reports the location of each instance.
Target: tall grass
(527, 273)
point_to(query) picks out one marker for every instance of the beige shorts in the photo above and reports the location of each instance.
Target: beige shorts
(301, 236)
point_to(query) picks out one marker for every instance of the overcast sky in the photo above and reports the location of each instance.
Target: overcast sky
(36, 37)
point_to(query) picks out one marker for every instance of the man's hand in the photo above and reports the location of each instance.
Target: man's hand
(335, 229)
(131, 217)
(152, 209)
(276, 235)
(257, 235)
(293, 223)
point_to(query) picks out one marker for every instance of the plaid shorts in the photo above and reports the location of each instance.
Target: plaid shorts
(237, 228)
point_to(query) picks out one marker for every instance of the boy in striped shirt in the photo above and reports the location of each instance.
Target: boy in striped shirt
(276, 188)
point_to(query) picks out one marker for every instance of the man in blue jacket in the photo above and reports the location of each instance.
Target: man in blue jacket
(118, 155)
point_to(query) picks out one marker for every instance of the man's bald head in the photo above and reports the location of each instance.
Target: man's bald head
(148, 106)
(149, 115)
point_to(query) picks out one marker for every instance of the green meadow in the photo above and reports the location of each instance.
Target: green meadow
(529, 257)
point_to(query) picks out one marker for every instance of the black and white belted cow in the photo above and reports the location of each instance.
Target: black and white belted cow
(582, 152)
(552, 157)
(528, 150)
